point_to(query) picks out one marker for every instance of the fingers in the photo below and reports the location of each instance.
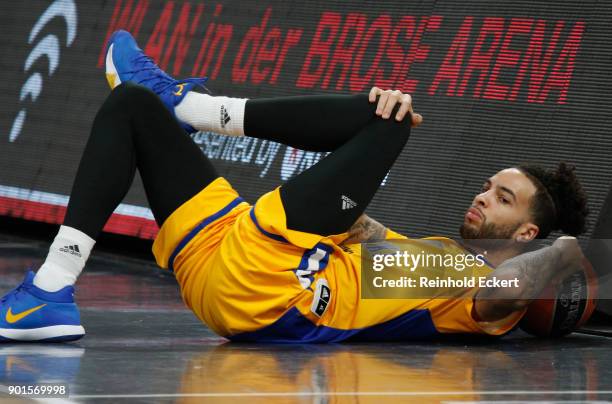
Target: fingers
(374, 92)
(382, 102)
(405, 107)
(392, 100)
(388, 99)
(417, 119)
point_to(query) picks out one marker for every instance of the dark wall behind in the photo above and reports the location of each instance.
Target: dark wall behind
(498, 83)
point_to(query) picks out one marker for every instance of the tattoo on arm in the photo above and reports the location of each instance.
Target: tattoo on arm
(534, 270)
(366, 230)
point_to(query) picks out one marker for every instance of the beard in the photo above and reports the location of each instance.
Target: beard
(489, 236)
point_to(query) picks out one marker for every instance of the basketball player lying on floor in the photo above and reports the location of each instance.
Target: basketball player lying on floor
(250, 271)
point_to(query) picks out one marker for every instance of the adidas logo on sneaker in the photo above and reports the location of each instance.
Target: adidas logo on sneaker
(225, 118)
(71, 249)
(348, 203)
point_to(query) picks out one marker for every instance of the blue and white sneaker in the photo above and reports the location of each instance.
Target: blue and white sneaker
(125, 61)
(28, 313)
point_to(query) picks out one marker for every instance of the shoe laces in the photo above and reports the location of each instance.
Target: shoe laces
(144, 63)
(15, 293)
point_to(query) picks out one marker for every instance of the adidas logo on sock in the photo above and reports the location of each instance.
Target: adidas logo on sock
(348, 203)
(225, 118)
(71, 249)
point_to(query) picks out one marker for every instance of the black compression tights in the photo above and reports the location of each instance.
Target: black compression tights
(133, 130)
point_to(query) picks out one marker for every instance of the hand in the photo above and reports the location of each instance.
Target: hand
(387, 101)
(571, 256)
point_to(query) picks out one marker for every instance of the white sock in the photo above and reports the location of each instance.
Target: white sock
(67, 256)
(204, 112)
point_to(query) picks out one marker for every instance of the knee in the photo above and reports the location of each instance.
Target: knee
(127, 100)
(127, 94)
(122, 103)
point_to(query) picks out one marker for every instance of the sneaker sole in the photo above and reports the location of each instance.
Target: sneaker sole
(111, 71)
(51, 333)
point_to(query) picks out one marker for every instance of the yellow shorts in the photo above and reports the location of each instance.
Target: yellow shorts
(249, 277)
(233, 274)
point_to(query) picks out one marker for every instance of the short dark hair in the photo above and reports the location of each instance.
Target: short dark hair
(560, 202)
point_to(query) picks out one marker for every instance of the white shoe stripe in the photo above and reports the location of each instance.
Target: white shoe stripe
(34, 334)
(110, 66)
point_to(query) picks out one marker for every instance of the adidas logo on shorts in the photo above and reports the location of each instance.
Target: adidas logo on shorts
(321, 298)
(225, 118)
(348, 203)
(71, 249)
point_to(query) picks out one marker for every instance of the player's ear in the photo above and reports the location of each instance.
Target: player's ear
(526, 232)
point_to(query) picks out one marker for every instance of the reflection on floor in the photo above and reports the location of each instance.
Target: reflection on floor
(143, 345)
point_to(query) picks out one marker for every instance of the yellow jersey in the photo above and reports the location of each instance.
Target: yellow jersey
(250, 278)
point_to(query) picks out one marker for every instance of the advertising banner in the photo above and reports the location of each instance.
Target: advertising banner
(498, 83)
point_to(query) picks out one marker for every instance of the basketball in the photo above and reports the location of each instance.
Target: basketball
(572, 305)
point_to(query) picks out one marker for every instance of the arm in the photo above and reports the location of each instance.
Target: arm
(366, 230)
(534, 270)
